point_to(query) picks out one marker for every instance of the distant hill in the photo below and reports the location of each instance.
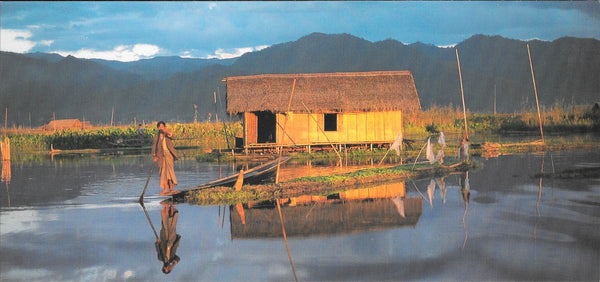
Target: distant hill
(150, 69)
(163, 67)
(567, 72)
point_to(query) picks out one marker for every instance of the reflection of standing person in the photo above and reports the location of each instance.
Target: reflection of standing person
(164, 153)
(166, 246)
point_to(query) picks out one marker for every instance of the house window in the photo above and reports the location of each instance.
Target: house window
(330, 122)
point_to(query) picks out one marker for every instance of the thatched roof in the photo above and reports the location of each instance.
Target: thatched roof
(323, 92)
(61, 124)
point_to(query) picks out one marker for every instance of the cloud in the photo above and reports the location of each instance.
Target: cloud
(235, 52)
(13, 40)
(123, 53)
(46, 42)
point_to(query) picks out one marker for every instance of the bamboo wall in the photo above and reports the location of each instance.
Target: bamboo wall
(363, 127)
(250, 128)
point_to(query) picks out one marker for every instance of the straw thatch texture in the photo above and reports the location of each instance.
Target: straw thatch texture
(323, 92)
(61, 124)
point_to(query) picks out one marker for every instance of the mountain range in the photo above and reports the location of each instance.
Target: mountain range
(37, 87)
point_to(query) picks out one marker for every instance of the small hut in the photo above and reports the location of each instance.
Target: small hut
(324, 108)
(62, 124)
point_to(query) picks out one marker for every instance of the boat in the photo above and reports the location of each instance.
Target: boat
(254, 175)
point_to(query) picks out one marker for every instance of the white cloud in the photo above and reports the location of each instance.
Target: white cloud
(187, 54)
(123, 53)
(13, 40)
(212, 5)
(447, 46)
(234, 53)
(46, 42)
(145, 50)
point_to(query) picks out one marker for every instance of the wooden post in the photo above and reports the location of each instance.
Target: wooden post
(536, 95)
(283, 133)
(217, 120)
(322, 131)
(285, 238)
(462, 93)
(494, 99)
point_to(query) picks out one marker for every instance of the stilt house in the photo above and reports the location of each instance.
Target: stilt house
(321, 108)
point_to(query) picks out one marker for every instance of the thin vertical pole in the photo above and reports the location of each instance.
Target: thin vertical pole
(536, 95)
(283, 133)
(462, 93)
(217, 119)
(494, 99)
(286, 240)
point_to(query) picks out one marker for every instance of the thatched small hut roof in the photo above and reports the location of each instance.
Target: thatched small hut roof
(61, 124)
(323, 92)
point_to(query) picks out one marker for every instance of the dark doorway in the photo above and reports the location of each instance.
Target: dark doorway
(266, 127)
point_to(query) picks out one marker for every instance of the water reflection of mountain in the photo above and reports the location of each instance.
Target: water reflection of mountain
(347, 212)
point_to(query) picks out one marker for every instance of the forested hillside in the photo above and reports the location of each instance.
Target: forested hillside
(38, 86)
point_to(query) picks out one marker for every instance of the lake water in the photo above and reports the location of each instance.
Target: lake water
(76, 218)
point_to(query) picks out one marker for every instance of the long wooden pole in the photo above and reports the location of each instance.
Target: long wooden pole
(536, 95)
(149, 220)
(283, 132)
(462, 93)
(286, 240)
(322, 131)
(141, 199)
(495, 99)
(217, 119)
(225, 128)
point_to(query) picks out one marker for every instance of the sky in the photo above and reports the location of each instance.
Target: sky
(130, 31)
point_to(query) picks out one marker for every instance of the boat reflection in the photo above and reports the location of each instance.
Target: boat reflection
(352, 211)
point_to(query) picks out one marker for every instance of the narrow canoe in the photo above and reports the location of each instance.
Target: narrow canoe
(254, 175)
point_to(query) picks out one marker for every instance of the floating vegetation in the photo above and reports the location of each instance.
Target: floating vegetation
(322, 185)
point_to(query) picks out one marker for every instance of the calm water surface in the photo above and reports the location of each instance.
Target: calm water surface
(77, 218)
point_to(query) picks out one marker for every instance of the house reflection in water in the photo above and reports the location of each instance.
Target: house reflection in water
(352, 211)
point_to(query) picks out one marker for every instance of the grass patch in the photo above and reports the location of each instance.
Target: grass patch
(321, 185)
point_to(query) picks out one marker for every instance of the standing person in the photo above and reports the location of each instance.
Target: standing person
(463, 149)
(164, 154)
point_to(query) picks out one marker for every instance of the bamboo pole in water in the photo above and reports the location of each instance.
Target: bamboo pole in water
(283, 133)
(323, 131)
(462, 93)
(286, 240)
(536, 95)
